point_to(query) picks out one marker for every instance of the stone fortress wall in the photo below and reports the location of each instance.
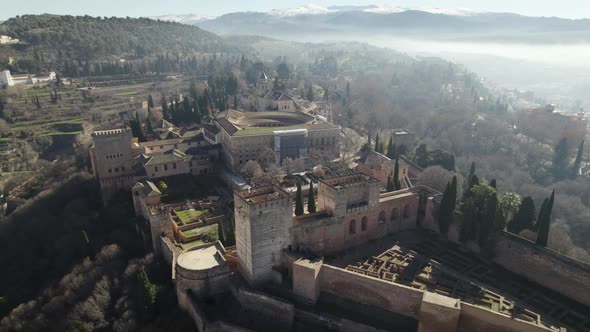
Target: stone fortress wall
(545, 267)
(434, 312)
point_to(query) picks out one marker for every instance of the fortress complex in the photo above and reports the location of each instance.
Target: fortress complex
(247, 135)
(371, 251)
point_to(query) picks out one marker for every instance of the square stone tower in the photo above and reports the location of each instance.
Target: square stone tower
(348, 194)
(263, 217)
(112, 160)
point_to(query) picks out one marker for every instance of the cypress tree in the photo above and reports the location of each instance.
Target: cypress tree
(390, 185)
(493, 184)
(578, 161)
(310, 96)
(391, 149)
(524, 218)
(377, 144)
(396, 181)
(561, 160)
(454, 192)
(150, 123)
(545, 223)
(151, 101)
(165, 111)
(299, 200)
(221, 234)
(311, 199)
(445, 212)
(542, 213)
(471, 172)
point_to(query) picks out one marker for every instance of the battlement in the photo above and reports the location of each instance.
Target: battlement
(262, 195)
(111, 132)
(345, 181)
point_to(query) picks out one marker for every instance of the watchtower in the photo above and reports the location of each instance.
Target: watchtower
(263, 218)
(112, 160)
(263, 83)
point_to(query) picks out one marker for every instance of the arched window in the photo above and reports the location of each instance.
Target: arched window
(382, 217)
(352, 227)
(394, 214)
(407, 211)
(364, 224)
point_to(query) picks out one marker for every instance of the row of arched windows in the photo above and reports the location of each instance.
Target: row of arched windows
(381, 219)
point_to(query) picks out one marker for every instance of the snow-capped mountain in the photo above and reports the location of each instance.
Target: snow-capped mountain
(312, 20)
(310, 9)
(388, 9)
(184, 18)
(313, 9)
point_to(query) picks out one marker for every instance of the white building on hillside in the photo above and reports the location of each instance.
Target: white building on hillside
(6, 78)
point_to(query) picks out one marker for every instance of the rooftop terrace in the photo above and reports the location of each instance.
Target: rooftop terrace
(349, 180)
(262, 194)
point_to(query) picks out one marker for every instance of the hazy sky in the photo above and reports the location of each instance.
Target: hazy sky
(134, 8)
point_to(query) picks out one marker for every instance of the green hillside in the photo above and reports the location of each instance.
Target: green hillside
(95, 37)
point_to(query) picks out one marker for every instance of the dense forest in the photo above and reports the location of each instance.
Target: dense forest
(81, 267)
(72, 44)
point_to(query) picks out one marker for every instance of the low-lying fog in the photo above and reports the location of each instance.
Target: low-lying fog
(558, 72)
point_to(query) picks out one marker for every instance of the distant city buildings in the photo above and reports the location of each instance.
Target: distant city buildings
(550, 125)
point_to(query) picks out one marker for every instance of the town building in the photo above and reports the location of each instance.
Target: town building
(119, 160)
(550, 125)
(251, 135)
(6, 78)
(5, 40)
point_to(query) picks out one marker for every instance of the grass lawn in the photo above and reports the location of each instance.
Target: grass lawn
(191, 232)
(186, 246)
(190, 216)
(209, 232)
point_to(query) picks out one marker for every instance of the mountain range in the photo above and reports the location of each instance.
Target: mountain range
(425, 22)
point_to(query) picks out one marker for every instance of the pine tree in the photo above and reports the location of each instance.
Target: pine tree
(299, 200)
(545, 223)
(493, 184)
(524, 218)
(311, 199)
(578, 161)
(396, 181)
